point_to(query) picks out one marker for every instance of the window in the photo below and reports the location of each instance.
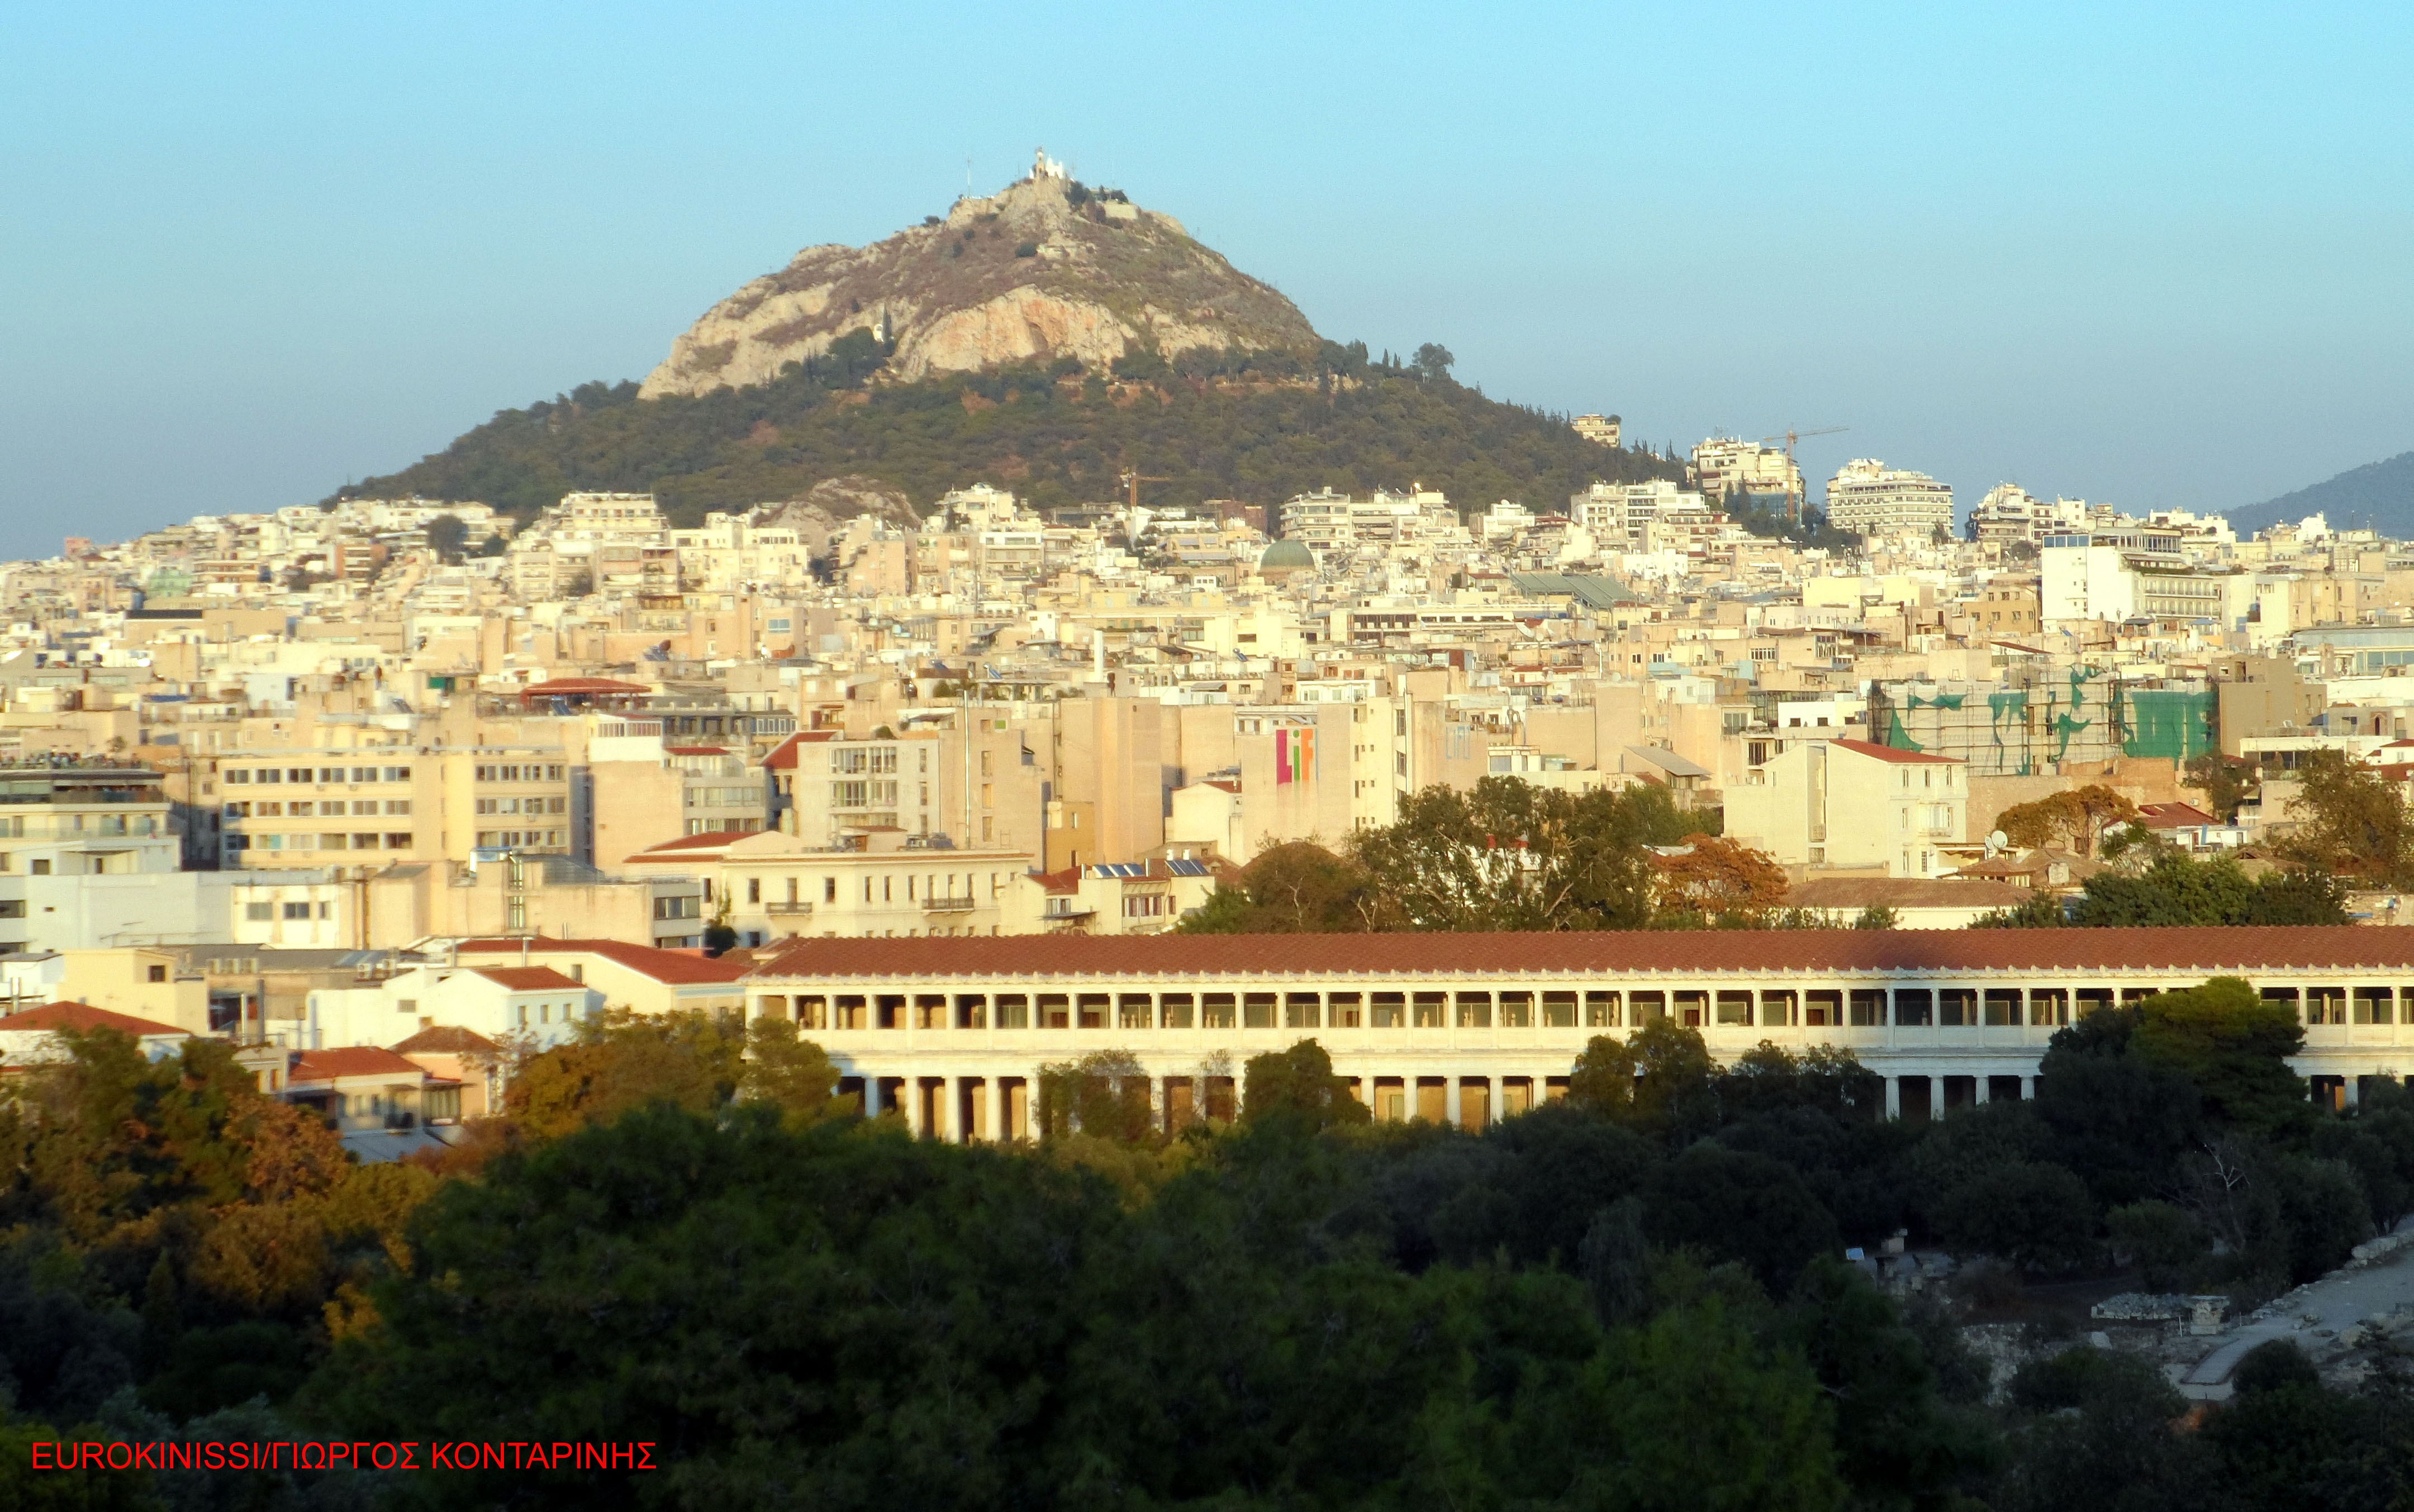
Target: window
(397, 841)
(237, 774)
(40, 869)
(397, 806)
(397, 774)
(259, 913)
(754, 890)
(155, 974)
(365, 774)
(298, 773)
(829, 889)
(297, 911)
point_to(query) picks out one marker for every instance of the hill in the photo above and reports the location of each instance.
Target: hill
(1257, 427)
(1046, 269)
(2379, 494)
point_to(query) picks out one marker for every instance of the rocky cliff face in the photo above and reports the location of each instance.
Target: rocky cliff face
(1041, 271)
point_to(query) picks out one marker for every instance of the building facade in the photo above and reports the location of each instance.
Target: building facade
(954, 1034)
(1870, 498)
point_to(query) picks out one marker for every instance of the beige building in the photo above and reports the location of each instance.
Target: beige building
(1870, 498)
(1852, 804)
(1470, 1029)
(772, 887)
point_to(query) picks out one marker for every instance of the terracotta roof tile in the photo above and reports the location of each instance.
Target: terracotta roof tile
(85, 1017)
(2207, 950)
(709, 840)
(446, 1039)
(528, 978)
(1892, 754)
(351, 1060)
(675, 966)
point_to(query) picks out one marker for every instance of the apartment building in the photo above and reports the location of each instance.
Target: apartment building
(772, 887)
(313, 808)
(2135, 573)
(1870, 498)
(1727, 468)
(1852, 804)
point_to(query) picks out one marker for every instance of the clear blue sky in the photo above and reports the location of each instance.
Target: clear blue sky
(2156, 258)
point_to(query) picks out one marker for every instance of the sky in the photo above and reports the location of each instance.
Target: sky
(2154, 256)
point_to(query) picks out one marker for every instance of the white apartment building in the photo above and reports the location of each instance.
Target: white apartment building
(1725, 466)
(2129, 575)
(1870, 498)
(1327, 521)
(1620, 517)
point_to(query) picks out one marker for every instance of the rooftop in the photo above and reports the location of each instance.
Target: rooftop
(83, 1018)
(1931, 951)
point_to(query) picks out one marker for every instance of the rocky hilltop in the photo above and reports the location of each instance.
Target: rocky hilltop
(1044, 270)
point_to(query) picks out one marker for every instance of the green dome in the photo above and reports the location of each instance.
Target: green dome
(1287, 555)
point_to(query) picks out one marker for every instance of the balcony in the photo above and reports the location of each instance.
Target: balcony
(950, 904)
(789, 909)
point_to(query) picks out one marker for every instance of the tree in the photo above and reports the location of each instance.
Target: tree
(445, 534)
(1433, 362)
(1713, 877)
(1297, 1087)
(2225, 780)
(2162, 1239)
(1104, 1096)
(1509, 855)
(1294, 888)
(1732, 1205)
(2121, 1121)
(1602, 1078)
(792, 1074)
(2234, 1047)
(622, 1062)
(2078, 815)
(2035, 1215)
(2174, 888)
(2351, 821)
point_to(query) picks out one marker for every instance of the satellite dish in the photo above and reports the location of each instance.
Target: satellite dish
(1997, 842)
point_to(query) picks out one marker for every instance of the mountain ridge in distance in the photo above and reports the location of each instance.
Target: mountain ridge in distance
(2378, 495)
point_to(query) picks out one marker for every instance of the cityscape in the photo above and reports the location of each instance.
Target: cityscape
(1019, 878)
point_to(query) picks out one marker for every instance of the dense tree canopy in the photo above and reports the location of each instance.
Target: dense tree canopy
(1629, 1296)
(1260, 433)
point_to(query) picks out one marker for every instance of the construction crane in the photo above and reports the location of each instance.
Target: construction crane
(1132, 478)
(1793, 490)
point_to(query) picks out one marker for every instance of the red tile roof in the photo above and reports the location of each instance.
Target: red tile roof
(784, 755)
(566, 686)
(2207, 950)
(681, 845)
(1892, 754)
(350, 1061)
(446, 1039)
(2173, 815)
(696, 751)
(83, 1016)
(677, 967)
(528, 978)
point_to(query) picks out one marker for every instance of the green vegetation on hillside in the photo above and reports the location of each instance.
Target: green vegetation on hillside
(1633, 1297)
(1259, 427)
